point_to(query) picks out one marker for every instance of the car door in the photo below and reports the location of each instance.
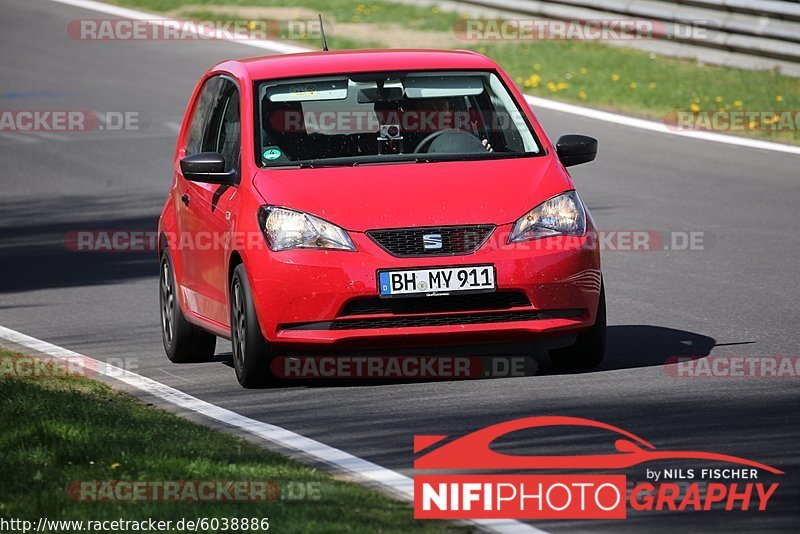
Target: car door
(205, 208)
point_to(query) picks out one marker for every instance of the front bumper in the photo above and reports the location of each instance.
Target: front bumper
(307, 296)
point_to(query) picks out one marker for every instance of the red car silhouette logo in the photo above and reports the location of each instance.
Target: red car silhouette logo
(473, 450)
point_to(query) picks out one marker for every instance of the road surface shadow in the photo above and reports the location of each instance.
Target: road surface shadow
(631, 346)
(628, 347)
(35, 243)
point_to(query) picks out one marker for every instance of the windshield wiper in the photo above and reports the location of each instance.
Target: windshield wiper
(301, 165)
(387, 162)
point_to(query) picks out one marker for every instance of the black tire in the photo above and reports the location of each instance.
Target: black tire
(252, 354)
(590, 347)
(183, 342)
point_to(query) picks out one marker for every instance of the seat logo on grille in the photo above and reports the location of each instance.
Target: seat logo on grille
(432, 241)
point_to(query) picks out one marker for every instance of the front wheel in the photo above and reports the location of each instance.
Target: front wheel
(183, 342)
(252, 354)
(590, 347)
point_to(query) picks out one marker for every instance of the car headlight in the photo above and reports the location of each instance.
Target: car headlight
(561, 215)
(285, 229)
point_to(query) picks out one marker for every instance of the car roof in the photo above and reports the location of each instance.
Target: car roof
(353, 61)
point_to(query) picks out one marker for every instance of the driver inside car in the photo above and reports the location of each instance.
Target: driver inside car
(448, 120)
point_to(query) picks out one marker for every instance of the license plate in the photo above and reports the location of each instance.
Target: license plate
(438, 281)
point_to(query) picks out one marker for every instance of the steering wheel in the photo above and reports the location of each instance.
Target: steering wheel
(424, 145)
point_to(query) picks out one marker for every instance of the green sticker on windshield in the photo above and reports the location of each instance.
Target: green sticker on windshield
(271, 153)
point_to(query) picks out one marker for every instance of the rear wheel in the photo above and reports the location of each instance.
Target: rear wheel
(183, 342)
(590, 347)
(252, 354)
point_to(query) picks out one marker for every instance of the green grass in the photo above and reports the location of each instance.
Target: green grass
(590, 73)
(59, 430)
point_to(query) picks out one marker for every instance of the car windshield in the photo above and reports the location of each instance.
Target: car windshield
(389, 117)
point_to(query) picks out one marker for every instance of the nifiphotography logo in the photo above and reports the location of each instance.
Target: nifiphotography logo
(728, 483)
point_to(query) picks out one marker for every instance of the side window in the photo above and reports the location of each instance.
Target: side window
(223, 132)
(229, 138)
(202, 113)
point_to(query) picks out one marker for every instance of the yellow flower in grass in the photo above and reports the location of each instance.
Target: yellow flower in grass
(738, 103)
(718, 99)
(633, 85)
(553, 87)
(779, 98)
(615, 77)
(582, 95)
(435, 10)
(752, 124)
(533, 81)
(695, 108)
(583, 70)
(651, 85)
(562, 85)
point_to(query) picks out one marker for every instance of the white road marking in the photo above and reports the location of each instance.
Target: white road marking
(342, 461)
(274, 46)
(572, 109)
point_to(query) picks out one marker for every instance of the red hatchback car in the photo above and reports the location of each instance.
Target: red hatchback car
(372, 199)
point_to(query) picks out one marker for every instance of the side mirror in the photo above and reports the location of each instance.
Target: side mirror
(207, 167)
(576, 149)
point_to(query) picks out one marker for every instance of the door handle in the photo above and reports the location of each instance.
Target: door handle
(185, 199)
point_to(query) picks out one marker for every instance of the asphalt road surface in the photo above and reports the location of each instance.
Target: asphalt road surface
(738, 296)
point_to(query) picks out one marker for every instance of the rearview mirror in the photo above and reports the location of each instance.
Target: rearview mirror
(576, 149)
(207, 167)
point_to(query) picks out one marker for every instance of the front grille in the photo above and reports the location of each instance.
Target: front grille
(436, 320)
(455, 240)
(501, 300)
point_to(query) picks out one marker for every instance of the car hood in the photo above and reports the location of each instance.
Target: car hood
(369, 197)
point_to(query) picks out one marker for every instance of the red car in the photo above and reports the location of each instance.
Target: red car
(373, 199)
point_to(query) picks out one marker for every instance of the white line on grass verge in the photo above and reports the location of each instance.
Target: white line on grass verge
(572, 109)
(659, 127)
(342, 461)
